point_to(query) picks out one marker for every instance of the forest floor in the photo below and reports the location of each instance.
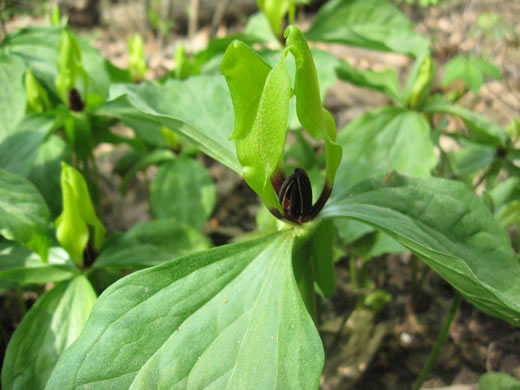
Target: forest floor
(365, 350)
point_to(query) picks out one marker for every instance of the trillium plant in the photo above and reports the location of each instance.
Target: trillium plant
(242, 315)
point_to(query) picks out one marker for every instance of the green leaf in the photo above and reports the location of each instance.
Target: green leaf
(498, 381)
(261, 112)
(24, 215)
(378, 142)
(182, 189)
(78, 213)
(149, 244)
(52, 324)
(198, 108)
(385, 81)
(509, 214)
(19, 264)
(448, 227)
(372, 24)
(483, 130)
(12, 94)
(19, 150)
(472, 70)
(230, 317)
(467, 161)
(382, 140)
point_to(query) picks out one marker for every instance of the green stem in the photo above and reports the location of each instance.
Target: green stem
(21, 301)
(441, 339)
(304, 275)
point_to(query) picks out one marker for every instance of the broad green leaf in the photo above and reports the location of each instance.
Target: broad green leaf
(472, 70)
(505, 192)
(315, 119)
(12, 94)
(19, 150)
(151, 243)
(154, 157)
(384, 81)
(498, 381)
(378, 142)
(261, 112)
(483, 130)
(448, 227)
(230, 317)
(467, 161)
(52, 324)
(182, 189)
(198, 108)
(78, 213)
(19, 264)
(372, 24)
(382, 140)
(24, 215)
(509, 214)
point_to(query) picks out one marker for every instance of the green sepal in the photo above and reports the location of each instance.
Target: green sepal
(37, 97)
(69, 66)
(316, 120)
(136, 63)
(78, 212)
(261, 115)
(419, 83)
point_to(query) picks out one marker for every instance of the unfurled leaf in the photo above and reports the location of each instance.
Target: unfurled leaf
(385, 81)
(228, 317)
(182, 189)
(12, 94)
(52, 324)
(484, 131)
(372, 24)
(448, 227)
(20, 265)
(498, 381)
(149, 244)
(198, 108)
(24, 215)
(472, 70)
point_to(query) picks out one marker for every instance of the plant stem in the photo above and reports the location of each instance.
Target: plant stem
(21, 301)
(441, 339)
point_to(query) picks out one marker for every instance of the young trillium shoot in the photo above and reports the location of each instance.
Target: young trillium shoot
(260, 95)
